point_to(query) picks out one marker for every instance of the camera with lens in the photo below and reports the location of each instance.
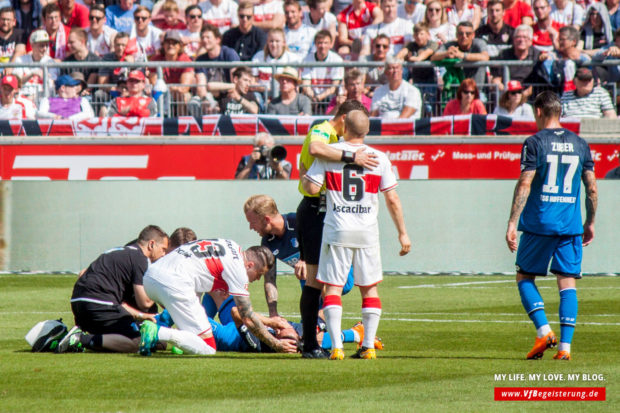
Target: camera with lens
(276, 153)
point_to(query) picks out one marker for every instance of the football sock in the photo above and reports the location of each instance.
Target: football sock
(534, 305)
(371, 314)
(568, 314)
(309, 309)
(347, 336)
(333, 318)
(564, 347)
(190, 343)
(92, 341)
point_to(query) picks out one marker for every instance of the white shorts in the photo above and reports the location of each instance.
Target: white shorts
(182, 303)
(335, 262)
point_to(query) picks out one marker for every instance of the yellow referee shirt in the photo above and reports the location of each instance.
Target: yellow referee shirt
(323, 132)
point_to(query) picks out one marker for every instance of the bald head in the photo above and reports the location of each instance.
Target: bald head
(356, 125)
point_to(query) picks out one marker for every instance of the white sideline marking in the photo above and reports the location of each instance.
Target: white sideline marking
(456, 284)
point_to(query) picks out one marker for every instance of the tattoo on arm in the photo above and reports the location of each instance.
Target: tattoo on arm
(522, 191)
(589, 181)
(271, 291)
(252, 321)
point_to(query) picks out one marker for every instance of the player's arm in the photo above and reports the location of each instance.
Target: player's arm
(139, 315)
(394, 206)
(322, 150)
(310, 186)
(589, 180)
(142, 299)
(522, 191)
(271, 292)
(256, 326)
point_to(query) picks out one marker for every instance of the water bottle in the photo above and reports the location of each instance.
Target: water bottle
(159, 91)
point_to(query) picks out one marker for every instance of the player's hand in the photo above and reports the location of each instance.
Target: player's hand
(588, 234)
(287, 345)
(405, 244)
(279, 323)
(511, 237)
(300, 270)
(365, 159)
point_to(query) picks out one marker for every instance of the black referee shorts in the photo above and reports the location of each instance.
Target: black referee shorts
(104, 319)
(310, 229)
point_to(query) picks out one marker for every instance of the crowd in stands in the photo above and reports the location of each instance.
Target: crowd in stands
(562, 37)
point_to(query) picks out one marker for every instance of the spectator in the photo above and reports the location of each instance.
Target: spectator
(82, 88)
(111, 75)
(191, 35)
(609, 73)
(375, 76)
(467, 100)
(78, 52)
(437, 21)
(28, 15)
(421, 49)
(567, 57)
(320, 83)
(32, 77)
(136, 104)
(247, 40)
(517, 12)
(319, 17)
(12, 40)
(67, 104)
(120, 17)
(269, 14)
(275, 51)
(258, 166)
(545, 30)
(169, 17)
(177, 78)
(290, 102)
(100, 35)
(57, 32)
(214, 52)
(521, 50)
(412, 10)
(464, 11)
(596, 32)
(239, 99)
(353, 90)
(221, 13)
(148, 37)
(466, 48)
(513, 102)
(11, 105)
(299, 36)
(587, 100)
(352, 24)
(399, 30)
(72, 14)
(397, 98)
(567, 12)
(495, 32)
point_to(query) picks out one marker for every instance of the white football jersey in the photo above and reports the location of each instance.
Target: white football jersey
(399, 31)
(322, 77)
(211, 264)
(352, 197)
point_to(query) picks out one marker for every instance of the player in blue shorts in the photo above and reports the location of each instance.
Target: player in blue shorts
(547, 206)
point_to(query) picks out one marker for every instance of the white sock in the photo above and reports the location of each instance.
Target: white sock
(543, 331)
(190, 343)
(564, 347)
(333, 318)
(356, 336)
(370, 319)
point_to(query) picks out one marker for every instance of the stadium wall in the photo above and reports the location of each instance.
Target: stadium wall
(455, 225)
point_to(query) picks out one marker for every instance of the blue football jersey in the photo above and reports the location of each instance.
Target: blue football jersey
(286, 248)
(559, 158)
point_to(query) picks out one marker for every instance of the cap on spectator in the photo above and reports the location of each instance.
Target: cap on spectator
(514, 86)
(66, 80)
(584, 74)
(79, 76)
(39, 36)
(173, 35)
(10, 80)
(289, 73)
(136, 75)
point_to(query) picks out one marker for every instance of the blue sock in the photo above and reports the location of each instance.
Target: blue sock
(350, 282)
(164, 319)
(209, 305)
(327, 341)
(568, 314)
(532, 302)
(347, 337)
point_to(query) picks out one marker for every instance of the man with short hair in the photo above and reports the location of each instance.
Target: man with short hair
(351, 232)
(398, 29)
(100, 35)
(12, 39)
(32, 77)
(319, 83)
(468, 49)
(495, 32)
(215, 52)
(109, 75)
(239, 99)
(258, 166)
(587, 100)
(521, 50)
(290, 102)
(57, 32)
(246, 39)
(11, 105)
(78, 52)
(546, 29)
(137, 104)
(191, 35)
(397, 99)
(546, 208)
(353, 89)
(72, 14)
(299, 36)
(104, 320)
(376, 75)
(148, 37)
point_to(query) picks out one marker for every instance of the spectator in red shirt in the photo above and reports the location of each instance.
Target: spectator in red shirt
(73, 15)
(546, 29)
(467, 100)
(352, 22)
(137, 104)
(517, 12)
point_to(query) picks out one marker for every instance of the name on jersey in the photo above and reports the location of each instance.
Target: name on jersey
(558, 199)
(356, 209)
(232, 250)
(562, 147)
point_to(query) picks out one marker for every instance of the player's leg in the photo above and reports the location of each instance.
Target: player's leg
(533, 256)
(567, 267)
(368, 273)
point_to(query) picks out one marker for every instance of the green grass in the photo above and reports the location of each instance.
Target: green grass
(444, 344)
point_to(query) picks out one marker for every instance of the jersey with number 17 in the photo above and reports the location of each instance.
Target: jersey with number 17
(559, 157)
(352, 197)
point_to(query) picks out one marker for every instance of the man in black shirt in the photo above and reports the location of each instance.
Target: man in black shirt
(12, 40)
(246, 39)
(521, 50)
(496, 33)
(76, 47)
(100, 297)
(239, 99)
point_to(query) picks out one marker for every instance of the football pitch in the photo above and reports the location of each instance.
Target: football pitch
(448, 341)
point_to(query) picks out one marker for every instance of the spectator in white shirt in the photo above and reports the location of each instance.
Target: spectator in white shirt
(397, 99)
(32, 77)
(319, 17)
(99, 34)
(148, 38)
(299, 36)
(11, 105)
(321, 83)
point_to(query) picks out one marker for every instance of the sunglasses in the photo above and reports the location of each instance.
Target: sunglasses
(382, 46)
(469, 92)
(195, 16)
(515, 92)
(434, 10)
(467, 34)
(245, 16)
(141, 18)
(95, 18)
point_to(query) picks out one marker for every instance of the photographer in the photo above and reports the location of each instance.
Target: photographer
(265, 162)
